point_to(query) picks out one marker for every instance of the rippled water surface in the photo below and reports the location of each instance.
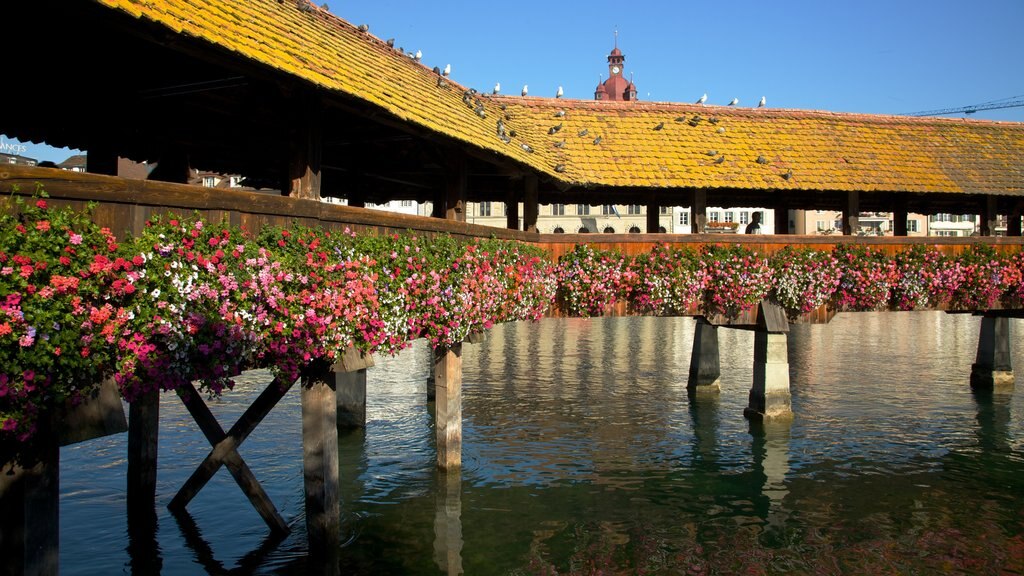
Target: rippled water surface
(582, 454)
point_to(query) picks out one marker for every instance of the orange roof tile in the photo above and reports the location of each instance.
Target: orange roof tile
(613, 143)
(687, 145)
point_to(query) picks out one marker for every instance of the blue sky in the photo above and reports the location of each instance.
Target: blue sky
(870, 56)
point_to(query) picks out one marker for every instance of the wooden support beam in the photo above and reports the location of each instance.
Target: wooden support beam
(225, 452)
(1013, 222)
(899, 215)
(302, 167)
(993, 367)
(350, 386)
(433, 357)
(143, 432)
(448, 407)
(698, 210)
(653, 217)
(320, 464)
(705, 367)
(531, 204)
(851, 214)
(989, 218)
(512, 206)
(455, 187)
(781, 219)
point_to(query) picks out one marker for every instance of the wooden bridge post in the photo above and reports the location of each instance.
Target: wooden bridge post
(143, 433)
(900, 214)
(698, 210)
(512, 206)
(992, 367)
(705, 367)
(769, 395)
(448, 407)
(350, 388)
(781, 219)
(531, 203)
(653, 217)
(989, 217)
(320, 463)
(851, 214)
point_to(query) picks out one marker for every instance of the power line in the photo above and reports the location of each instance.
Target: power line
(1010, 102)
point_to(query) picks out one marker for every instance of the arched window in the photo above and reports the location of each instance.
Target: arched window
(558, 230)
(583, 230)
(662, 230)
(634, 229)
(608, 230)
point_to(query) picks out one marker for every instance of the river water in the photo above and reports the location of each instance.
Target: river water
(582, 454)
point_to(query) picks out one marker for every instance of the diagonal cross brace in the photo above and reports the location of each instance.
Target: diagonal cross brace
(225, 451)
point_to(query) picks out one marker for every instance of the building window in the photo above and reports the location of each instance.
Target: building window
(607, 210)
(821, 226)
(582, 209)
(912, 226)
(661, 230)
(714, 216)
(945, 232)
(634, 209)
(12, 160)
(209, 181)
(609, 230)
(744, 217)
(728, 216)
(583, 230)
(684, 218)
(235, 181)
(406, 203)
(558, 230)
(664, 209)
(485, 209)
(634, 229)
(558, 209)
(941, 217)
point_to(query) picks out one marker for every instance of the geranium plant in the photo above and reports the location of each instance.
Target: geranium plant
(804, 280)
(59, 314)
(737, 279)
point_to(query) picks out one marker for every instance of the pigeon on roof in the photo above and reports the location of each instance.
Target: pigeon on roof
(734, 102)
(419, 55)
(497, 88)
(702, 99)
(390, 42)
(559, 92)
(762, 103)
(364, 28)
(659, 126)
(447, 69)
(525, 89)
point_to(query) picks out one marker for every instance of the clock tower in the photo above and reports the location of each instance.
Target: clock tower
(616, 87)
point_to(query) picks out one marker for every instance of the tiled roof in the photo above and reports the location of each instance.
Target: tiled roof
(298, 38)
(683, 145)
(612, 143)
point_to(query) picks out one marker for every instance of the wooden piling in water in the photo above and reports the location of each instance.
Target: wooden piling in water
(769, 394)
(320, 464)
(448, 407)
(705, 364)
(992, 366)
(143, 432)
(350, 387)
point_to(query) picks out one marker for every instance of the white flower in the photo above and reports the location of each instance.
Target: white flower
(155, 293)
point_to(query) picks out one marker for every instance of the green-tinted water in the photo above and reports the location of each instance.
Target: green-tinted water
(583, 455)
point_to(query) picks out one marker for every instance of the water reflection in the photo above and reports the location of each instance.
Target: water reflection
(582, 451)
(448, 522)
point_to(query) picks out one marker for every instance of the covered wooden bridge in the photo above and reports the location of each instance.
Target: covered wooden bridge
(307, 106)
(303, 102)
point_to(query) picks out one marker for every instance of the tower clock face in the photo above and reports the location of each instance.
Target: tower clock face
(615, 69)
